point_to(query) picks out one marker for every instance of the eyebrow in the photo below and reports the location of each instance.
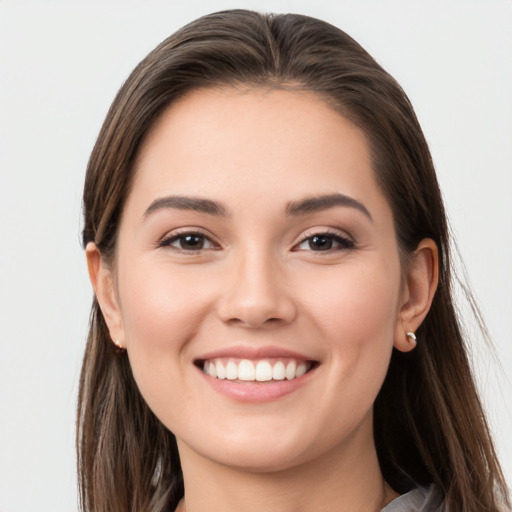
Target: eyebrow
(196, 204)
(319, 203)
(302, 207)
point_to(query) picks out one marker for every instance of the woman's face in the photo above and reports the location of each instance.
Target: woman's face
(256, 244)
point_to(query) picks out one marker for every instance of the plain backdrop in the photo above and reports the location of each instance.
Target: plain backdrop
(61, 64)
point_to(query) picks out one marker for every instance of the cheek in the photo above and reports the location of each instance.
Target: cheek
(162, 310)
(355, 310)
(355, 298)
(159, 305)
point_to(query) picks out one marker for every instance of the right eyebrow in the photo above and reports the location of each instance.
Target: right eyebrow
(324, 202)
(197, 204)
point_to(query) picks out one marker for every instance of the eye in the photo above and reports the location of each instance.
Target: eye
(189, 242)
(324, 242)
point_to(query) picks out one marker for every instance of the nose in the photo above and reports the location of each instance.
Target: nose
(256, 293)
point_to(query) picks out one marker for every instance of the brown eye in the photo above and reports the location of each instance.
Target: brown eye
(188, 242)
(320, 242)
(191, 242)
(323, 242)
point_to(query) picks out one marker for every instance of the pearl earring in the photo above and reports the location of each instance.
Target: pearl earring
(118, 345)
(412, 338)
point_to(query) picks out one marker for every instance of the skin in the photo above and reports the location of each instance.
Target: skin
(259, 281)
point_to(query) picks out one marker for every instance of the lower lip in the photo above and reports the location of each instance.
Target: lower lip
(254, 391)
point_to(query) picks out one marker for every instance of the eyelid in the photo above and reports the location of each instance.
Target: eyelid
(338, 235)
(344, 238)
(166, 240)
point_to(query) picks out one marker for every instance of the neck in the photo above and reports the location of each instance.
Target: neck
(348, 477)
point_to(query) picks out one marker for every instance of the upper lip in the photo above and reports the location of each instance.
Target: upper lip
(254, 353)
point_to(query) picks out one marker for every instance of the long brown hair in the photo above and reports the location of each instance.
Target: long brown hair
(429, 424)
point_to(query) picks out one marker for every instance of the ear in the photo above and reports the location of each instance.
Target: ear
(104, 288)
(420, 284)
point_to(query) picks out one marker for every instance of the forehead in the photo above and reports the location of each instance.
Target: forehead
(242, 144)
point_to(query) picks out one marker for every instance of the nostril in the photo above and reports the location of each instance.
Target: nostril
(256, 299)
(255, 322)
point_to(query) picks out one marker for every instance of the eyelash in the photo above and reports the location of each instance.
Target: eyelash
(331, 238)
(177, 237)
(344, 243)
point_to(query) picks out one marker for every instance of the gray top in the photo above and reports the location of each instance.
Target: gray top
(422, 499)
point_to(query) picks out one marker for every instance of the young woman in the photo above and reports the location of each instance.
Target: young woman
(273, 326)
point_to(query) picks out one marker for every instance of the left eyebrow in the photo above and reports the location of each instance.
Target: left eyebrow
(319, 203)
(197, 204)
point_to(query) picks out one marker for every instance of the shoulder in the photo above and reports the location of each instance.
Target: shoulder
(421, 499)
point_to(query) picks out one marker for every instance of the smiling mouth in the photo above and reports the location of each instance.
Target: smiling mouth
(263, 370)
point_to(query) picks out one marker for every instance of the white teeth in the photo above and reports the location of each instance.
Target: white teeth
(290, 370)
(261, 371)
(221, 372)
(301, 370)
(212, 370)
(279, 371)
(231, 371)
(246, 370)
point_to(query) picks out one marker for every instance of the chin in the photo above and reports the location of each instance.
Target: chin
(258, 450)
(258, 460)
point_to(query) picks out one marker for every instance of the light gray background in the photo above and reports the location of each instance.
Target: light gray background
(60, 66)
